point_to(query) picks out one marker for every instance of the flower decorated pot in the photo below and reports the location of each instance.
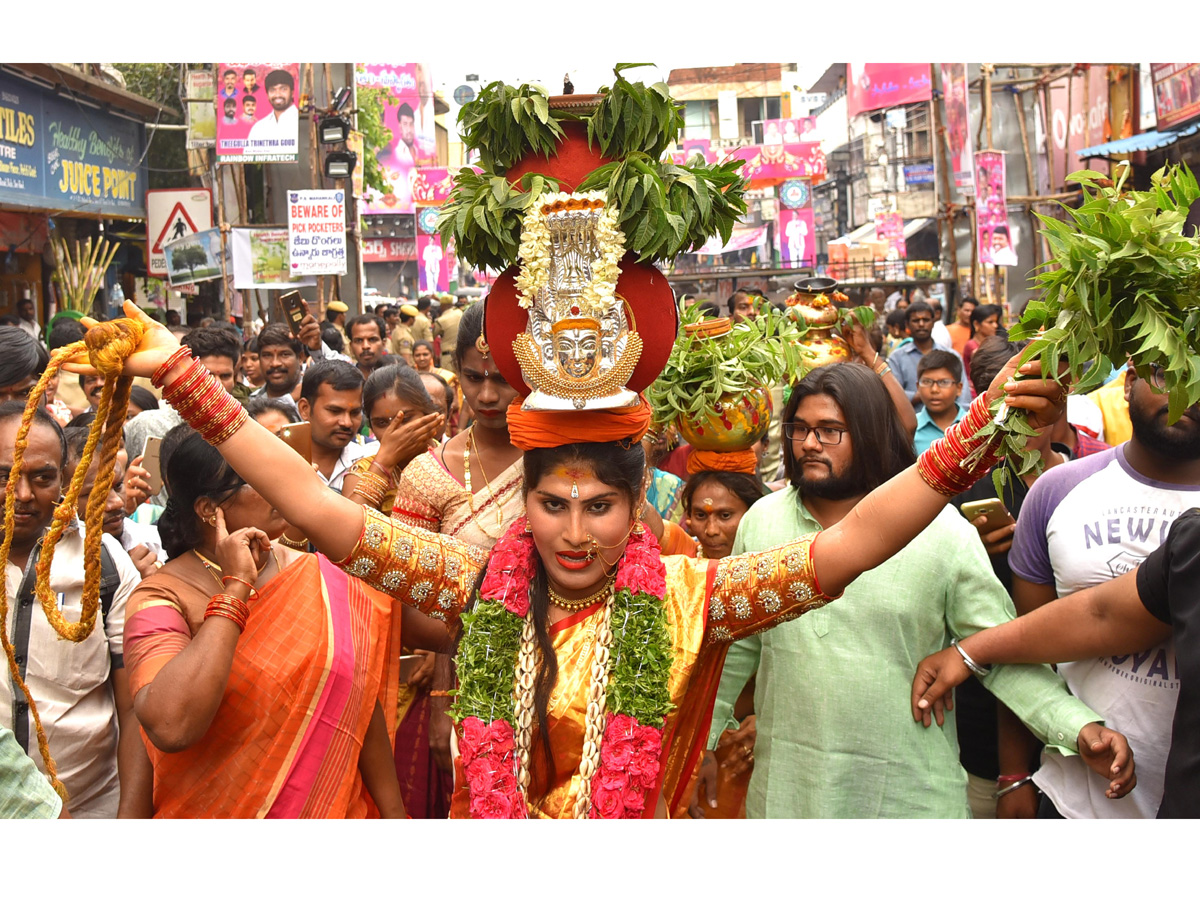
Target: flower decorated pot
(735, 423)
(810, 302)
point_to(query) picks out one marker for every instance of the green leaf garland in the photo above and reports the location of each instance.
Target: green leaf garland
(487, 663)
(641, 655)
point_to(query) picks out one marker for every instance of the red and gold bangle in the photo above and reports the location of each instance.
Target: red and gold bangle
(944, 466)
(161, 372)
(229, 607)
(203, 403)
(253, 590)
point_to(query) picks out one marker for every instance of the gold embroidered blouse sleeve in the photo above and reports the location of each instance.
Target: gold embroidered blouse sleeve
(756, 591)
(433, 573)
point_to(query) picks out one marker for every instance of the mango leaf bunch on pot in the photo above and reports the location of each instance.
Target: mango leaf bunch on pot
(1122, 286)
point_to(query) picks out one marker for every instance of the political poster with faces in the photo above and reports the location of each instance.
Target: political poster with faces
(991, 210)
(257, 115)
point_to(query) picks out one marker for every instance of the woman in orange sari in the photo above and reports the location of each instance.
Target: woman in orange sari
(287, 718)
(574, 612)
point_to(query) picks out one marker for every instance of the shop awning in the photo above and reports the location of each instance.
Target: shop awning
(1147, 140)
(867, 232)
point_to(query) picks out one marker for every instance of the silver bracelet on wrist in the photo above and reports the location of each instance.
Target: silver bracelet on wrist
(1028, 779)
(975, 667)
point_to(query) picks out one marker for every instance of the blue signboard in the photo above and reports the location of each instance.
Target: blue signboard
(59, 154)
(922, 173)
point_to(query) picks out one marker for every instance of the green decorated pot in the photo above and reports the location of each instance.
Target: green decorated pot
(735, 423)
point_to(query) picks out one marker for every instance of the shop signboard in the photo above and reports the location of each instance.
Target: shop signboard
(61, 154)
(409, 115)
(1176, 92)
(921, 173)
(389, 249)
(257, 117)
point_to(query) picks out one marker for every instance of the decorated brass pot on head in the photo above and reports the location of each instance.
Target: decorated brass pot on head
(812, 302)
(734, 423)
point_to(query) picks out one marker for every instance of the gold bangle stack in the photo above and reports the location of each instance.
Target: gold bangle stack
(372, 488)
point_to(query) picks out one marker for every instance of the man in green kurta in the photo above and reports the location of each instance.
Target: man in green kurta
(836, 736)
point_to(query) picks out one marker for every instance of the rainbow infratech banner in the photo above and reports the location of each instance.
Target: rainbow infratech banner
(958, 125)
(257, 117)
(991, 210)
(770, 164)
(409, 115)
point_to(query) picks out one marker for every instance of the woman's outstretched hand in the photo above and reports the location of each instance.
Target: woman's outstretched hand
(156, 345)
(1043, 399)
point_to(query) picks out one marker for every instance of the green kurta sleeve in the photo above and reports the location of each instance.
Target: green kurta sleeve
(740, 664)
(1039, 698)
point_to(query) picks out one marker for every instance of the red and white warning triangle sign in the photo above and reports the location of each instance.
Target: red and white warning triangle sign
(179, 225)
(170, 215)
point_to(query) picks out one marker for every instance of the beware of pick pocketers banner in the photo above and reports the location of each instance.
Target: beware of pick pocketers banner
(317, 232)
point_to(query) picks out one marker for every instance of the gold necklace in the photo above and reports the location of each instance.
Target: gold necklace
(576, 605)
(487, 484)
(214, 569)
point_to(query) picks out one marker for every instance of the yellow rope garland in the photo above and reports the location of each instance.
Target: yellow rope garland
(107, 344)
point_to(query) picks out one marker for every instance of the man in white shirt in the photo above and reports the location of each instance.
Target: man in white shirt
(1087, 522)
(283, 122)
(81, 689)
(331, 401)
(28, 322)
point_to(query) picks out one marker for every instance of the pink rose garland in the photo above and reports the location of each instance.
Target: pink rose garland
(488, 753)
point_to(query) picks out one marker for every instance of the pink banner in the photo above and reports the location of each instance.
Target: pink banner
(991, 210)
(880, 85)
(958, 125)
(434, 264)
(795, 237)
(257, 117)
(889, 226)
(431, 186)
(787, 131)
(410, 118)
(770, 164)
(743, 238)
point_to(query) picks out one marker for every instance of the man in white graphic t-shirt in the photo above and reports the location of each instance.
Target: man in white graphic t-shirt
(1082, 524)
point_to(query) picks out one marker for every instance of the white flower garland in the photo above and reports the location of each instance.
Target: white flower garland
(534, 251)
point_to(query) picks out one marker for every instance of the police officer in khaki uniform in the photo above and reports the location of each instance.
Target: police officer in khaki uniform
(422, 328)
(402, 339)
(446, 327)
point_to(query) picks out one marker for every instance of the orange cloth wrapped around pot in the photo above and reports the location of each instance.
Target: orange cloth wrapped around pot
(717, 461)
(528, 429)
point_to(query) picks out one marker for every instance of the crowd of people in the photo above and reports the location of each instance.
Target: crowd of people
(385, 468)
